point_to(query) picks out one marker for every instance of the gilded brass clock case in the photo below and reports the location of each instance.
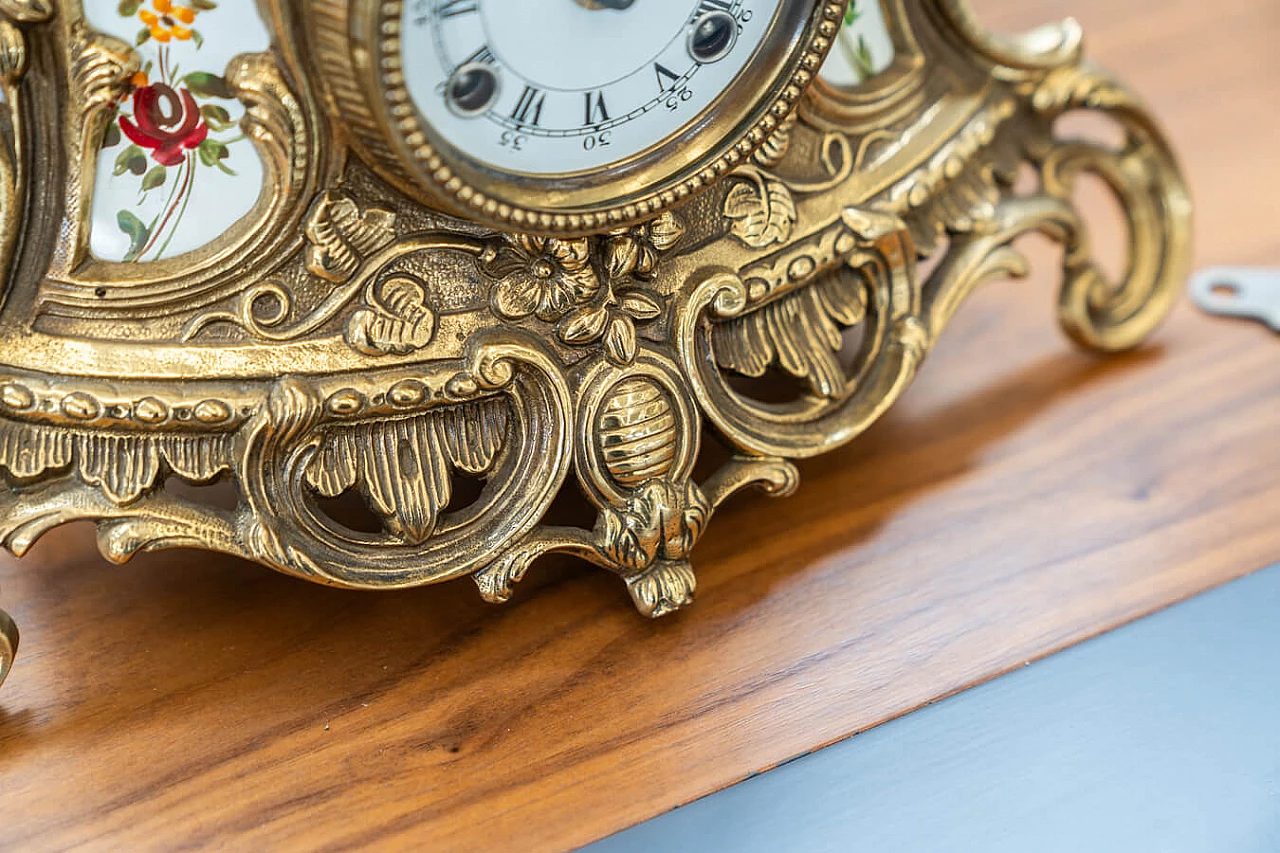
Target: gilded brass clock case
(344, 339)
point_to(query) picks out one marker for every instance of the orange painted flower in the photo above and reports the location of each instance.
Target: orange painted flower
(168, 21)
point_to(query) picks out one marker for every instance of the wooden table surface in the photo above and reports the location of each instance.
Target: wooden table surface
(1022, 497)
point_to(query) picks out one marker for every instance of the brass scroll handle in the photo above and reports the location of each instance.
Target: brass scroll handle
(8, 644)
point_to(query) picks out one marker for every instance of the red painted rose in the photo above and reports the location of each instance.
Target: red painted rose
(168, 122)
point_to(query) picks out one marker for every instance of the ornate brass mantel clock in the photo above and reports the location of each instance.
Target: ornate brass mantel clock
(456, 256)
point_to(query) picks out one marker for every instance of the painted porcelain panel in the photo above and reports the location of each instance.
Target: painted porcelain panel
(175, 172)
(864, 47)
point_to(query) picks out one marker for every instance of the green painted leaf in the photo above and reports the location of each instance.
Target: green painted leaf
(197, 38)
(203, 5)
(137, 231)
(851, 14)
(202, 84)
(154, 178)
(122, 162)
(211, 151)
(144, 35)
(132, 160)
(863, 60)
(111, 137)
(128, 8)
(216, 117)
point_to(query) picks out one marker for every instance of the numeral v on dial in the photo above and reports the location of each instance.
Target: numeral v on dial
(663, 73)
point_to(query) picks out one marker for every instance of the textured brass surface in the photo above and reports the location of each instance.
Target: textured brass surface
(344, 338)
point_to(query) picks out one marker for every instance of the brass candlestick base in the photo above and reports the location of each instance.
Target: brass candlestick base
(342, 337)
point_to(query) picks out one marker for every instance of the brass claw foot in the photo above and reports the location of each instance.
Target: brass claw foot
(8, 644)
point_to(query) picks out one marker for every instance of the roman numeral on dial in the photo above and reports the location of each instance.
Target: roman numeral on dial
(454, 8)
(666, 77)
(528, 109)
(595, 110)
(714, 6)
(482, 56)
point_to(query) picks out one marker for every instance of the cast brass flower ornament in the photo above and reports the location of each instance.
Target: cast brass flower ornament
(557, 281)
(612, 323)
(391, 253)
(542, 277)
(634, 251)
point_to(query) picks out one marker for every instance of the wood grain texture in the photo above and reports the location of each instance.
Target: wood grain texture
(1022, 497)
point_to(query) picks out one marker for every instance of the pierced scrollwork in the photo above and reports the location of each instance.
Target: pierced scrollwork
(646, 540)
(1143, 174)
(279, 457)
(122, 467)
(872, 282)
(403, 466)
(801, 332)
(345, 341)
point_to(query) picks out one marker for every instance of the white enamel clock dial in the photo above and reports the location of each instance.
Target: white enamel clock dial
(545, 87)
(564, 116)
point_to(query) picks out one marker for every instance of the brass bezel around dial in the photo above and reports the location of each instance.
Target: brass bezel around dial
(357, 47)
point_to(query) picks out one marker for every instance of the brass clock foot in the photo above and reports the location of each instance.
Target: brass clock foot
(8, 644)
(664, 588)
